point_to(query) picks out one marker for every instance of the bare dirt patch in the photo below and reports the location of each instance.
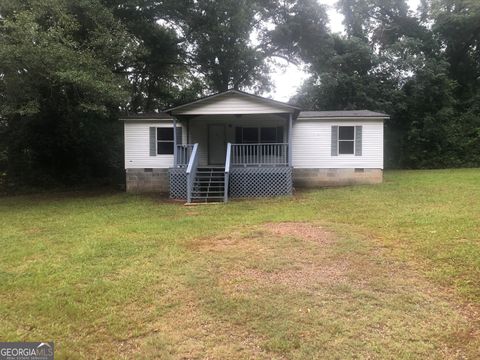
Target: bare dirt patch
(305, 276)
(247, 238)
(300, 230)
(294, 254)
(309, 266)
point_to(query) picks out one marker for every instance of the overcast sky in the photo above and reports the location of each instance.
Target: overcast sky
(287, 80)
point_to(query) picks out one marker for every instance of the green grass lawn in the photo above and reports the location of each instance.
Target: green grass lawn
(387, 271)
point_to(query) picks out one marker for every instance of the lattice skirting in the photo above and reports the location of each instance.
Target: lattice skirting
(178, 183)
(260, 182)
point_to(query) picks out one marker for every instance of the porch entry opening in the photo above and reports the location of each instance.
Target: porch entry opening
(217, 146)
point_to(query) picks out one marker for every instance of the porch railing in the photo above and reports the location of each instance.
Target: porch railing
(228, 159)
(268, 154)
(192, 171)
(184, 152)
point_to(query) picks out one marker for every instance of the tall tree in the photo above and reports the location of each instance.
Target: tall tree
(408, 66)
(157, 70)
(216, 38)
(59, 87)
(457, 24)
(232, 43)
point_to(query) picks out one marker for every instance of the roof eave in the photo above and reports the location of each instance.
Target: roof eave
(145, 119)
(342, 117)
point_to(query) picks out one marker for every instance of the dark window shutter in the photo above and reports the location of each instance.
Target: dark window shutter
(334, 145)
(179, 135)
(238, 135)
(153, 141)
(358, 140)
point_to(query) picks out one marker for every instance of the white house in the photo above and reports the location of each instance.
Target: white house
(235, 144)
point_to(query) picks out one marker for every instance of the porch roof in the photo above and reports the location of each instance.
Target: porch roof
(233, 102)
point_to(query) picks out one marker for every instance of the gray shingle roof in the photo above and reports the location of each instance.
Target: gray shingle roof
(146, 116)
(341, 114)
(302, 115)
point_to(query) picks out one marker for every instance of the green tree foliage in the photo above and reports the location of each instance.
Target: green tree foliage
(301, 31)
(59, 88)
(232, 43)
(457, 26)
(156, 71)
(423, 69)
(217, 35)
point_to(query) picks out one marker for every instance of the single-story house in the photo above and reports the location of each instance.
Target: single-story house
(234, 144)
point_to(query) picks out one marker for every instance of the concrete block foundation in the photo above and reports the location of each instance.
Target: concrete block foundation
(158, 180)
(311, 178)
(147, 180)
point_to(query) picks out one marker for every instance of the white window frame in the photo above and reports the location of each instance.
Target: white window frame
(354, 140)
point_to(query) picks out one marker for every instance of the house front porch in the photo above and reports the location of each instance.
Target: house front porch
(231, 156)
(235, 151)
(249, 170)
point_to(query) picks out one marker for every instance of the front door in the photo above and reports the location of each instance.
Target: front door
(216, 144)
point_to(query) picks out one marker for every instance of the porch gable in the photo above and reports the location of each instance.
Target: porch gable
(233, 102)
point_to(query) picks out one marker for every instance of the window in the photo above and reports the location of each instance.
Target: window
(251, 135)
(268, 135)
(346, 140)
(165, 141)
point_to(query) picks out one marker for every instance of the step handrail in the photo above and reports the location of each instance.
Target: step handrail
(192, 172)
(227, 172)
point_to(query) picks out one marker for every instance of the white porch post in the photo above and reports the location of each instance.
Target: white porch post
(290, 126)
(174, 142)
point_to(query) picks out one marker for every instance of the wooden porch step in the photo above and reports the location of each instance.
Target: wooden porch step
(209, 177)
(207, 193)
(205, 190)
(208, 185)
(207, 181)
(206, 198)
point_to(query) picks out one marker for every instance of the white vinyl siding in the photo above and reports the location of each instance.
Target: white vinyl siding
(137, 145)
(232, 104)
(311, 145)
